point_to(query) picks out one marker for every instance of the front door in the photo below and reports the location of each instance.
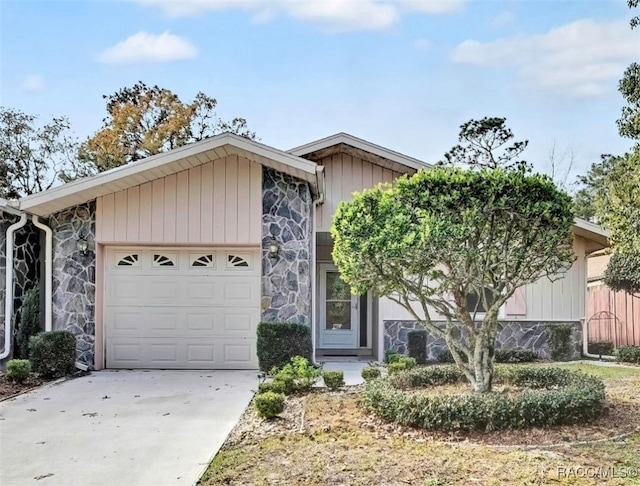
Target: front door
(338, 314)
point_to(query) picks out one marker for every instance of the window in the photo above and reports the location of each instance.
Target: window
(476, 304)
(237, 261)
(130, 260)
(163, 260)
(203, 261)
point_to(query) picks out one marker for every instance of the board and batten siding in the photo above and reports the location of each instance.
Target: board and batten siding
(344, 175)
(544, 300)
(217, 203)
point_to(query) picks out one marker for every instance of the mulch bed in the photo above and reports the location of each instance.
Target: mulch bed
(9, 389)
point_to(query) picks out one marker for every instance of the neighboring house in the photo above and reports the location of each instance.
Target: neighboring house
(611, 316)
(171, 262)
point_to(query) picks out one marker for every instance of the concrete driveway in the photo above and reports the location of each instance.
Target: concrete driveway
(121, 427)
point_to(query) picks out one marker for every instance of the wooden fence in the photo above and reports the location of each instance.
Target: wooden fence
(613, 316)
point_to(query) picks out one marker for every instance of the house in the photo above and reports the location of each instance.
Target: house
(171, 262)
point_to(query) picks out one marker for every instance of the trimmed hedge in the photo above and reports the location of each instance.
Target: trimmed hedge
(370, 373)
(417, 345)
(333, 379)
(18, 370)
(278, 342)
(629, 354)
(53, 354)
(554, 396)
(505, 355)
(269, 404)
(275, 386)
(601, 348)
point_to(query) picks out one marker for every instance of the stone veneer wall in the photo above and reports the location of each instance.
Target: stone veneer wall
(26, 261)
(511, 334)
(74, 277)
(287, 209)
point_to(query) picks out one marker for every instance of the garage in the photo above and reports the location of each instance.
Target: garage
(181, 308)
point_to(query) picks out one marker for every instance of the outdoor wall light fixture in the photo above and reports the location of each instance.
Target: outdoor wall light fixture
(82, 244)
(273, 247)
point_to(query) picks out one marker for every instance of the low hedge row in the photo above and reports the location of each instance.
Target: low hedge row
(554, 397)
(506, 355)
(629, 354)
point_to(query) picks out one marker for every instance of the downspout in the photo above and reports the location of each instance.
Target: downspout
(8, 301)
(585, 321)
(48, 271)
(315, 202)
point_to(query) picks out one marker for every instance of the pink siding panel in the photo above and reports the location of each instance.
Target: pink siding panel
(170, 209)
(146, 194)
(157, 210)
(216, 203)
(195, 195)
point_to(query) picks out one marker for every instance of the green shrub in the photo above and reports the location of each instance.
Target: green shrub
(269, 404)
(601, 348)
(333, 379)
(278, 342)
(516, 355)
(629, 354)
(445, 356)
(18, 370)
(29, 324)
(397, 366)
(275, 386)
(370, 373)
(286, 382)
(555, 397)
(391, 356)
(409, 362)
(417, 345)
(53, 354)
(560, 341)
(302, 374)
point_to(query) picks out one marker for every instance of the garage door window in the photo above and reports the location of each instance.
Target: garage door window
(238, 260)
(166, 260)
(129, 260)
(203, 261)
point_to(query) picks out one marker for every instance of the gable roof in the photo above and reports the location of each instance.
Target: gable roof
(378, 155)
(597, 236)
(167, 163)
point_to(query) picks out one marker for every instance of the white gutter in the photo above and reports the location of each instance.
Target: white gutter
(585, 320)
(48, 271)
(8, 297)
(315, 204)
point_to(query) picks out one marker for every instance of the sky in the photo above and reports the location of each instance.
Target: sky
(404, 74)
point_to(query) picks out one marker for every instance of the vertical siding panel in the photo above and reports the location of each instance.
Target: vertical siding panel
(336, 192)
(367, 175)
(255, 225)
(108, 217)
(347, 178)
(194, 197)
(133, 214)
(157, 210)
(170, 206)
(356, 174)
(120, 210)
(99, 219)
(145, 212)
(182, 207)
(377, 174)
(231, 200)
(387, 175)
(325, 208)
(206, 211)
(219, 171)
(244, 201)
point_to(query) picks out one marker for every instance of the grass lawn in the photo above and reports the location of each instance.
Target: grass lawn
(329, 439)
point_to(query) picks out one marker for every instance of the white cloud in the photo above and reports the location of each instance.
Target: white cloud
(341, 15)
(582, 58)
(33, 84)
(502, 20)
(145, 47)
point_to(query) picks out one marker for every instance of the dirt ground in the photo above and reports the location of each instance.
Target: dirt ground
(9, 388)
(327, 438)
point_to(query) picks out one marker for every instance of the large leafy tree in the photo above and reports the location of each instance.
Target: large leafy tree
(32, 155)
(146, 120)
(442, 235)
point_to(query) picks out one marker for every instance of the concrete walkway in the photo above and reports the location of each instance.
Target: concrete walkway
(128, 427)
(351, 369)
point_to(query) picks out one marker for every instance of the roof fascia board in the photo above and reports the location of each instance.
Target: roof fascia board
(360, 144)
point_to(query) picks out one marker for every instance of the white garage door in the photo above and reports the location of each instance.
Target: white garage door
(182, 308)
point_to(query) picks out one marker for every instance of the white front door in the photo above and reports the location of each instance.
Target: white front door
(338, 317)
